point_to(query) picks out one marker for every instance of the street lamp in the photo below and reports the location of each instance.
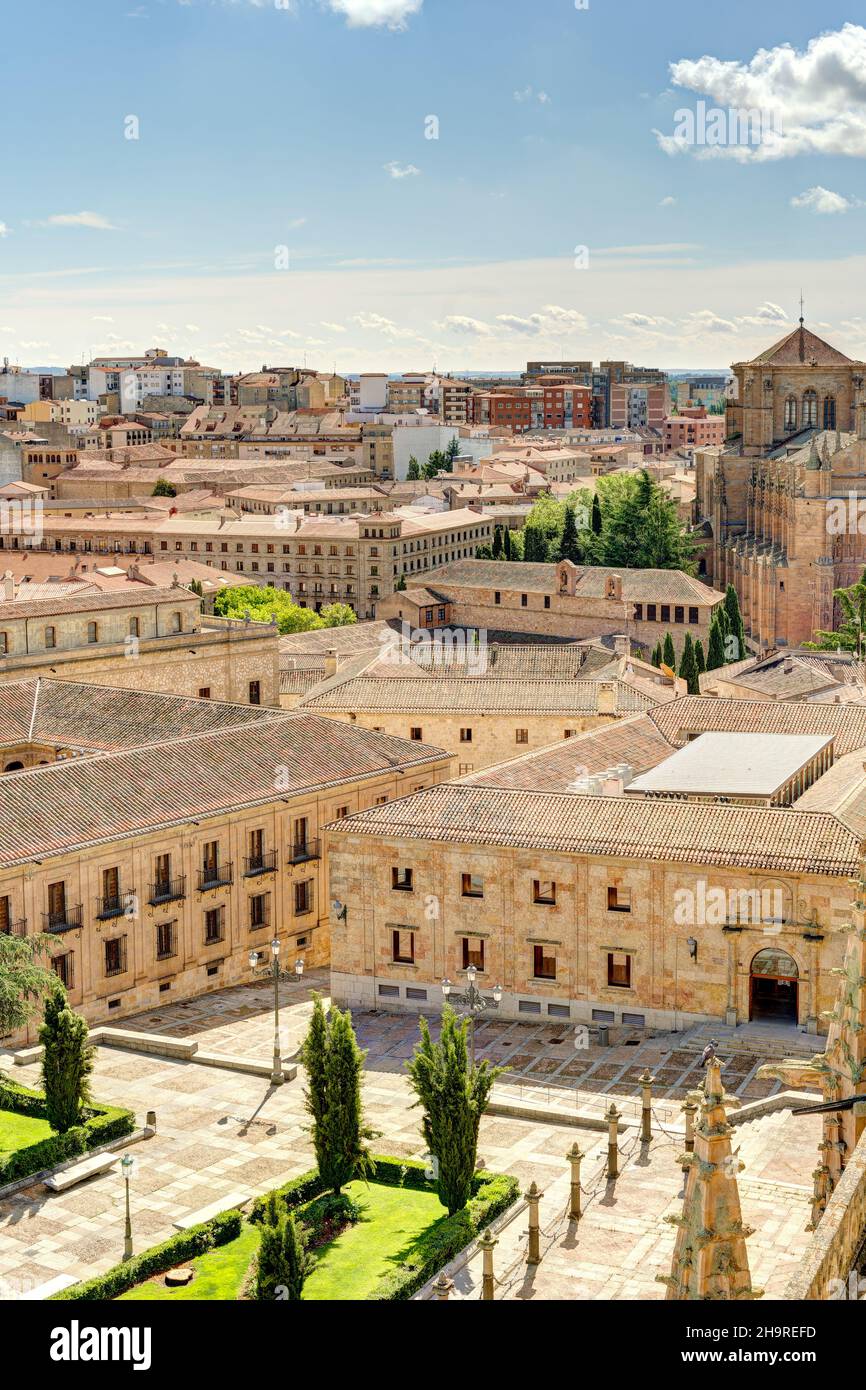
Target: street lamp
(474, 1001)
(127, 1170)
(277, 974)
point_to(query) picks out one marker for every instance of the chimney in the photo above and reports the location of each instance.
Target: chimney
(8, 587)
(788, 665)
(606, 697)
(330, 663)
(622, 645)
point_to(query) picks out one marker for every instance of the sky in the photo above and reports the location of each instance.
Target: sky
(402, 184)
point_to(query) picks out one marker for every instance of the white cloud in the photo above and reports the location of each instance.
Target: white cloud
(767, 315)
(376, 323)
(815, 98)
(706, 321)
(334, 327)
(462, 323)
(530, 94)
(192, 328)
(365, 13)
(296, 223)
(401, 171)
(102, 318)
(668, 202)
(4, 230)
(823, 201)
(633, 320)
(551, 322)
(94, 220)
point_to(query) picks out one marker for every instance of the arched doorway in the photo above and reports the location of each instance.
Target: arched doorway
(13, 767)
(774, 986)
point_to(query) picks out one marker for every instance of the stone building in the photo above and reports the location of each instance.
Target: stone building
(564, 600)
(587, 900)
(181, 834)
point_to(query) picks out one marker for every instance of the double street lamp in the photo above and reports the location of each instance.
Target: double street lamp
(256, 957)
(474, 1002)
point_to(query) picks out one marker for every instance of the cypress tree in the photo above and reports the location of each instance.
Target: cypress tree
(67, 1061)
(498, 545)
(294, 1259)
(716, 650)
(269, 1264)
(569, 548)
(453, 1097)
(413, 472)
(334, 1063)
(282, 1263)
(700, 659)
(669, 656)
(506, 543)
(596, 522)
(688, 667)
(656, 657)
(735, 622)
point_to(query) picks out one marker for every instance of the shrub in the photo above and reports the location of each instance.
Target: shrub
(325, 1216)
(282, 1264)
(184, 1246)
(98, 1125)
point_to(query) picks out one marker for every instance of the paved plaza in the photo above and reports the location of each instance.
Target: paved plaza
(223, 1132)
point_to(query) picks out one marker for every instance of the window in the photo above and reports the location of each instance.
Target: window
(472, 885)
(50, 637)
(63, 968)
(543, 963)
(497, 597)
(543, 891)
(401, 879)
(255, 692)
(214, 925)
(259, 911)
(93, 632)
(341, 813)
(524, 600)
(521, 735)
(619, 970)
(651, 612)
(465, 735)
(204, 692)
(303, 897)
(618, 899)
(473, 952)
(528, 1006)
(403, 946)
(115, 955)
(693, 615)
(809, 414)
(791, 413)
(678, 615)
(415, 733)
(166, 940)
(666, 612)
(210, 861)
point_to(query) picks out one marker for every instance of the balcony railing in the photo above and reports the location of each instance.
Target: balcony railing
(264, 863)
(215, 876)
(15, 928)
(167, 890)
(65, 919)
(115, 904)
(304, 851)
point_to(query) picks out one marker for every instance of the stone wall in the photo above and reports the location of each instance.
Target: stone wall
(832, 1252)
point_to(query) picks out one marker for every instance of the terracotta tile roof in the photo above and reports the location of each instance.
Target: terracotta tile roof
(351, 638)
(69, 805)
(803, 346)
(703, 714)
(635, 741)
(87, 603)
(637, 585)
(788, 841)
(443, 694)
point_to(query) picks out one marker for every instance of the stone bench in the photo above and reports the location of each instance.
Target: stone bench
(227, 1203)
(80, 1172)
(244, 1064)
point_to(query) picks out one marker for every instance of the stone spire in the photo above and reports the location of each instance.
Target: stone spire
(813, 461)
(825, 453)
(710, 1261)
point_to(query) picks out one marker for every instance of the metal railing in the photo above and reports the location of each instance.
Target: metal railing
(264, 863)
(304, 851)
(65, 919)
(167, 890)
(114, 904)
(215, 876)
(18, 928)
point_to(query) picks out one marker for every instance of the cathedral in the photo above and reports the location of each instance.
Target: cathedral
(782, 505)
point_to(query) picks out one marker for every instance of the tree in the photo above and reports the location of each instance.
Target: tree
(669, 656)
(595, 521)
(452, 451)
(735, 622)
(23, 981)
(506, 544)
(338, 615)
(334, 1063)
(164, 488)
(282, 1263)
(569, 546)
(196, 587)
(656, 657)
(700, 659)
(848, 637)
(413, 472)
(498, 546)
(400, 585)
(453, 1096)
(688, 666)
(67, 1061)
(716, 649)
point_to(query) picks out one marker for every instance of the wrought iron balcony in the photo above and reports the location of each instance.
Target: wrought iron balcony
(264, 863)
(215, 876)
(15, 928)
(115, 904)
(304, 851)
(167, 890)
(66, 919)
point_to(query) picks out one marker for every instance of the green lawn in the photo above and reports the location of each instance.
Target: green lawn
(392, 1220)
(18, 1131)
(219, 1274)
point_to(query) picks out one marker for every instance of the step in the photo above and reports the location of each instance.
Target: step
(80, 1172)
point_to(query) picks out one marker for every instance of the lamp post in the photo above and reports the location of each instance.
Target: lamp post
(277, 975)
(127, 1170)
(474, 1001)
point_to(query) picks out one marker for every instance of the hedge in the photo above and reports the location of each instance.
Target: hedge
(184, 1246)
(397, 1172)
(101, 1124)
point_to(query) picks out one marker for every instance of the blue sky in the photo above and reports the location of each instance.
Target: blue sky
(262, 127)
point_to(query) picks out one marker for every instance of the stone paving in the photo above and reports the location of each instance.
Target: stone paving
(220, 1132)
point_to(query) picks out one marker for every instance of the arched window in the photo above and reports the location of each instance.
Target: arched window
(791, 413)
(809, 412)
(774, 962)
(829, 412)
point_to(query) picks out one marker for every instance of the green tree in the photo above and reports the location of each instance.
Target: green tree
(452, 451)
(498, 546)
(338, 615)
(849, 635)
(67, 1061)
(735, 622)
(413, 472)
(453, 1096)
(716, 649)
(700, 659)
(400, 585)
(196, 587)
(656, 657)
(23, 979)
(334, 1064)
(669, 656)
(282, 1263)
(506, 544)
(261, 603)
(688, 666)
(164, 488)
(569, 546)
(595, 521)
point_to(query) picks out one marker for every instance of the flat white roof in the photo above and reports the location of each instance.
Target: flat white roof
(732, 764)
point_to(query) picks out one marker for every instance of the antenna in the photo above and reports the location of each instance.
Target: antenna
(801, 308)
